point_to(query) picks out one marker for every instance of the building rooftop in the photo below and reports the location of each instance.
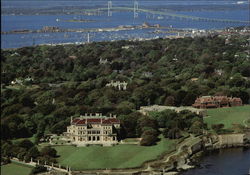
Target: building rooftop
(84, 121)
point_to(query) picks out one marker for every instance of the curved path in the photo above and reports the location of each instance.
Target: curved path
(245, 122)
(188, 142)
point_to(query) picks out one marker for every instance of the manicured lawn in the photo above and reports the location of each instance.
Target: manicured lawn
(32, 139)
(15, 169)
(228, 116)
(119, 156)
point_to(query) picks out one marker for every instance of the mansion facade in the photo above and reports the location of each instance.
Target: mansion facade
(216, 102)
(93, 129)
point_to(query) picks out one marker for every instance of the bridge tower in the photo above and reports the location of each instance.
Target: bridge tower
(88, 38)
(98, 12)
(136, 5)
(109, 8)
(33, 41)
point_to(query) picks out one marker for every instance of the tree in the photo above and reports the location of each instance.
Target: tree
(169, 101)
(6, 149)
(45, 109)
(196, 128)
(34, 152)
(26, 100)
(180, 95)
(217, 127)
(5, 131)
(59, 127)
(38, 169)
(145, 121)
(153, 55)
(149, 137)
(27, 144)
(237, 80)
(189, 98)
(129, 124)
(174, 133)
(48, 151)
(40, 131)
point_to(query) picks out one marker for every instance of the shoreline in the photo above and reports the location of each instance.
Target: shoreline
(174, 33)
(196, 158)
(186, 159)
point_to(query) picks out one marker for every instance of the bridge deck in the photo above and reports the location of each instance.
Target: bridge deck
(173, 15)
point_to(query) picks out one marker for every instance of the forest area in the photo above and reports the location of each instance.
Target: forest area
(43, 86)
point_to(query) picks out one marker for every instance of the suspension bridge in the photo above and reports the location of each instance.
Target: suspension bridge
(136, 11)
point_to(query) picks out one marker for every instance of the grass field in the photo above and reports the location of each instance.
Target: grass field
(119, 156)
(32, 139)
(229, 116)
(15, 169)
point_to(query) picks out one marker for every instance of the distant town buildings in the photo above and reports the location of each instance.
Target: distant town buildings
(145, 25)
(93, 129)
(117, 84)
(50, 29)
(216, 102)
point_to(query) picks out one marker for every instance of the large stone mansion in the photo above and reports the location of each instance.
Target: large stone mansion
(216, 102)
(93, 129)
(118, 85)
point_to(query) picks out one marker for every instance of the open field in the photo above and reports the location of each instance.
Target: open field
(15, 169)
(229, 116)
(119, 156)
(32, 139)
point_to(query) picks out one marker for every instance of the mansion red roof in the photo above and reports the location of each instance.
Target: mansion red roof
(79, 121)
(216, 101)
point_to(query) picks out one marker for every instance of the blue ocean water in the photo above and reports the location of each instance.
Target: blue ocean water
(234, 161)
(222, 9)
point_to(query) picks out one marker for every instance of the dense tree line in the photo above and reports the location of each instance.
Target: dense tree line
(25, 150)
(69, 80)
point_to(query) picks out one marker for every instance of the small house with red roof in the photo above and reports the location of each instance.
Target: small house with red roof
(93, 129)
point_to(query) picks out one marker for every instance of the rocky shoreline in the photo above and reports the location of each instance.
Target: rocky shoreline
(193, 161)
(187, 155)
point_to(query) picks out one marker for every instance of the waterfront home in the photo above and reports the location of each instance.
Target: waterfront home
(93, 129)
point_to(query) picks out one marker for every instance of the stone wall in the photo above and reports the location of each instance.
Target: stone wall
(231, 139)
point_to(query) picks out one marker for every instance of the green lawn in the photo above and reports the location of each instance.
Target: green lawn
(119, 156)
(32, 139)
(15, 169)
(228, 116)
